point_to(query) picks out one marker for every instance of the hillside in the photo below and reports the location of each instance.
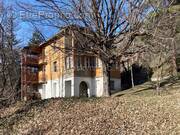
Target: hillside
(133, 111)
(153, 58)
(137, 111)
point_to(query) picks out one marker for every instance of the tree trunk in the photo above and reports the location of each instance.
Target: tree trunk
(174, 73)
(109, 80)
(132, 77)
(158, 87)
(159, 77)
(106, 80)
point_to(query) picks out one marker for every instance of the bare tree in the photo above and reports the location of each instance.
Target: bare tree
(160, 45)
(9, 57)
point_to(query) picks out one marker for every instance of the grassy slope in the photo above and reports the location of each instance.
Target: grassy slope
(133, 111)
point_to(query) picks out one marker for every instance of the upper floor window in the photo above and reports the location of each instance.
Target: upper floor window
(68, 62)
(92, 61)
(79, 61)
(83, 61)
(55, 66)
(117, 65)
(46, 51)
(44, 68)
(87, 62)
(97, 62)
(32, 69)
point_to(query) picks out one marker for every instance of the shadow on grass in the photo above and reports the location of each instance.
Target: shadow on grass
(9, 121)
(119, 95)
(142, 90)
(170, 82)
(136, 89)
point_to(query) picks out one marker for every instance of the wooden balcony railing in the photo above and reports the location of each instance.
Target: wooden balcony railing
(30, 60)
(35, 60)
(30, 77)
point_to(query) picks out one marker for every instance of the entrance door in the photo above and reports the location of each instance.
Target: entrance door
(83, 89)
(67, 88)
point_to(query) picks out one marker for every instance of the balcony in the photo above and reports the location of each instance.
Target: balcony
(31, 78)
(28, 60)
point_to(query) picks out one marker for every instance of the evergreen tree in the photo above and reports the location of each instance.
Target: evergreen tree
(36, 39)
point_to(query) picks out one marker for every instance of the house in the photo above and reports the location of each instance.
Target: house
(52, 71)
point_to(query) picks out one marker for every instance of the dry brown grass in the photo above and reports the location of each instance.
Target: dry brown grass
(127, 114)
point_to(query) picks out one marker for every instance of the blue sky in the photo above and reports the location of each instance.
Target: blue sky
(24, 30)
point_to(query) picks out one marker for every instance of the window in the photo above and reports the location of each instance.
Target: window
(45, 52)
(55, 66)
(44, 68)
(36, 70)
(32, 69)
(79, 61)
(117, 65)
(87, 62)
(68, 62)
(92, 61)
(113, 65)
(82, 61)
(112, 85)
(97, 62)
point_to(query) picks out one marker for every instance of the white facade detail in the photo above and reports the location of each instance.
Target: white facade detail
(70, 87)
